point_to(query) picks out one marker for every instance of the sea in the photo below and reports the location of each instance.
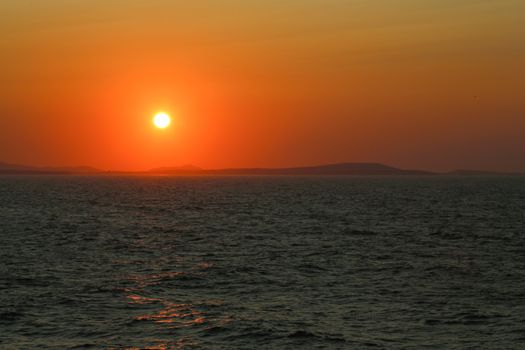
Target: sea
(157, 262)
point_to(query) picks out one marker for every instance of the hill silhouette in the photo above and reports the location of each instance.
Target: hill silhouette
(329, 169)
(362, 169)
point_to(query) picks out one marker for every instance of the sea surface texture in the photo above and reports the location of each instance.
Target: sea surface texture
(262, 262)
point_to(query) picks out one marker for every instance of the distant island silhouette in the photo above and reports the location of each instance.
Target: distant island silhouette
(330, 169)
(358, 169)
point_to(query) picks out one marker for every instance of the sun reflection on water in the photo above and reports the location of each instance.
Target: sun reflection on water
(177, 315)
(172, 315)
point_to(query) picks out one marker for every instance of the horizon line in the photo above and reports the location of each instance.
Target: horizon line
(190, 168)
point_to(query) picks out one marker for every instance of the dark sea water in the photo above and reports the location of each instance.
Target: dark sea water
(262, 263)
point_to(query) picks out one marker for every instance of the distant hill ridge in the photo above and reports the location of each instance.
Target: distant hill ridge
(362, 169)
(329, 169)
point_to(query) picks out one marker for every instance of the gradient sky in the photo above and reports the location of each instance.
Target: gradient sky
(432, 84)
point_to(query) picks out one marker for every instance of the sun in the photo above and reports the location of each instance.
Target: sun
(162, 120)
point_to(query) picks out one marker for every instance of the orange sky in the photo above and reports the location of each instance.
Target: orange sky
(425, 84)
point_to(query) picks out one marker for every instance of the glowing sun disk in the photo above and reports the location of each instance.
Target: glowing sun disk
(162, 120)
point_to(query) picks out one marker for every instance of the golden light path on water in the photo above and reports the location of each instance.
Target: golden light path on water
(172, 315)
